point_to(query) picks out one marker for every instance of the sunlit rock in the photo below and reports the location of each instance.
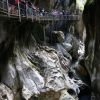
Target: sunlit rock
(55, 68)
(75, 45)
(67, 46)
(80, 4)
(81, 49)
(58, 36)
(53, 74)
(40, 72)
(31, 81)
(10, 78)
(5, 93)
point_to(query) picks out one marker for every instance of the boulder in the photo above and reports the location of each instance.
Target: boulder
(58, 36)
(55, 68)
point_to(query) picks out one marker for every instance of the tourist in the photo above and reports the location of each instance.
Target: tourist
(11, 6)
(22, 8)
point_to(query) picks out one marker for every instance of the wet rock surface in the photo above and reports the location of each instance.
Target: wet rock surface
(58, 36)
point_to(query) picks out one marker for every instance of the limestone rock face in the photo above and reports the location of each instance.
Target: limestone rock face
(5, 93)
(41, 74)
(67, 46)
(30, 80)
(93, 44)
(37, 72)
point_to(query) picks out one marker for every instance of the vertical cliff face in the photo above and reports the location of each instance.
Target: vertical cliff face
(90, 29)
(92, 22)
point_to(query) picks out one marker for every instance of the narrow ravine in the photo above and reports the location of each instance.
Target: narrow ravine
(44, 60)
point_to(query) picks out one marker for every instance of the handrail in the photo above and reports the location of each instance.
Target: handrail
(28, 12)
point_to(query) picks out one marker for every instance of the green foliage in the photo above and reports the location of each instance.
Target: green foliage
(89, 2)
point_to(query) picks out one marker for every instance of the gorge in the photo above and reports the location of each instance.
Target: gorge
(51, 60)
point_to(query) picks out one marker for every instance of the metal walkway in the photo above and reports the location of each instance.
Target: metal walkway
(5, 12)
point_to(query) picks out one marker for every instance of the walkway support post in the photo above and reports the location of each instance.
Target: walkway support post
(19, 13)
(26, 11)
(3, 3)
(8, 8)
(44, 35)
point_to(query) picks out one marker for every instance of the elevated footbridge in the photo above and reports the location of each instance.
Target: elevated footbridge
(11, 11)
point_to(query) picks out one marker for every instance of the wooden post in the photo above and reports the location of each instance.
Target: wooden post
(26, 12)
(19, 13)
(8, 8)
(52, 26)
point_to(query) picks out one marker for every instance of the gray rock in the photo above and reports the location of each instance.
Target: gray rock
(81, 50)
(10, 79)
(5, 93)
(55, 72)
(63, 51)
(65, 63)
(67, 46)
(58, 36)
(52, 71)
(75, 45)
(32, 82)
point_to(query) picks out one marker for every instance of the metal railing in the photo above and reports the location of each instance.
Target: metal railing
(29, 13)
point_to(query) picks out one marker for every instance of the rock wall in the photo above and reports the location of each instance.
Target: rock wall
(34, 71)
(91, 19)
(42, 64)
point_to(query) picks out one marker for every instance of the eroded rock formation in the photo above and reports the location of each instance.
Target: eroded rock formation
(31, 69)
